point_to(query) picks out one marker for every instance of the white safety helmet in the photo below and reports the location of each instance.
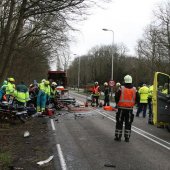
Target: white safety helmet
(43, 80)
(96, 83)
(128, 79)
(105, 84)
(54, 84)
(118, 84)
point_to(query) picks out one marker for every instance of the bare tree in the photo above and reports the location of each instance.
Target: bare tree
(50, 19)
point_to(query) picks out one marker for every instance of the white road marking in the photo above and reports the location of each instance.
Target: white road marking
(52, 124)
(61, 157)
(138, 131)
(151, 135)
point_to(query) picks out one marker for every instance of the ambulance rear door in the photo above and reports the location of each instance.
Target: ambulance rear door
(161, 98)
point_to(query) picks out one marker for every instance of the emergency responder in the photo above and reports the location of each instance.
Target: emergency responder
(106, 94)
(143, 92)
(47, 91)
(96, 94)
(41, 97)
(21, 94)
(3, 90)
(10, 88)
(125, 99)
(165, 89)
(53, 90)
(33, 92)
(118, 85)
(150, 95)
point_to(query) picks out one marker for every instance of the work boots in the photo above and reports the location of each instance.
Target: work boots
(126, 139)
(117, 139)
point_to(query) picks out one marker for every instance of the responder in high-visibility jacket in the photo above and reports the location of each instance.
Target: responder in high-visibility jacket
(143, 92)
(42, 95)
(53, 90)
(96, 93)
(21, 94)
(150, 95)
(125, 98)
(10, 87)
(3, 89)
(47, 91)
(165, 89)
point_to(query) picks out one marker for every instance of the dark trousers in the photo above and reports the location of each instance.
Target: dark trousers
(142, 106)
(106, 101)
(150, 119)
(127, 116)
(95, 99)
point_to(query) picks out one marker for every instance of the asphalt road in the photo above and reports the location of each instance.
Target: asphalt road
(84, 140)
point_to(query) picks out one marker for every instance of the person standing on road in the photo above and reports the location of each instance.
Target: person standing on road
(96, 94)
(41, 97)
(150, 95)
(106, 95)
(125, 98)
(118, 85)
(143, 92)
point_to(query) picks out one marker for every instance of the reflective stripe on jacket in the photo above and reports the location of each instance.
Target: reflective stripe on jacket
(144, 92)
(127, 97)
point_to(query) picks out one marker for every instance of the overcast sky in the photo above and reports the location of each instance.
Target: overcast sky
(127, 18)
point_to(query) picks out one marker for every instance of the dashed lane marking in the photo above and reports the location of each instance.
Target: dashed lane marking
(52, 125)
(61, 157)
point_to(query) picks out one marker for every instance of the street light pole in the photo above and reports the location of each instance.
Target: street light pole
(78, 72)
(78, 79)
(104, 29)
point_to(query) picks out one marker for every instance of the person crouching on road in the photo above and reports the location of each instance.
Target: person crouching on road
(106, 95)
(21, 94)
(96, 94)
(125, 98)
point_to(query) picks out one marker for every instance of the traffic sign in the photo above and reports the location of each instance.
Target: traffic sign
(111, 83)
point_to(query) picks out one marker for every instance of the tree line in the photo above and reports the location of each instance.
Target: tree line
(32, 32)
(152, 55)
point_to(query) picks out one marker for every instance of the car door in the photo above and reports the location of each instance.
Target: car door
(161, 98)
